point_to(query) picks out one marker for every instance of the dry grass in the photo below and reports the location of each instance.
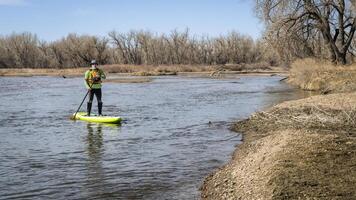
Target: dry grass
(139, 70)
(310, 74)
(288, 164)
(151, 70)
(315, 166)
(144, 70)
(247, 66)
(331, 112)
(43, 72)
(303, 149)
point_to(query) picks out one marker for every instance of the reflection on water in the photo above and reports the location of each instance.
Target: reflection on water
(176, 131)
(96, 175)
(95, 172)
(94, 141)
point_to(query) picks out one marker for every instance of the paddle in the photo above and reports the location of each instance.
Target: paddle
(73, 116)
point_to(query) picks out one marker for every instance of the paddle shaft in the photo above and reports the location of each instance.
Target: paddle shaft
(83, 101)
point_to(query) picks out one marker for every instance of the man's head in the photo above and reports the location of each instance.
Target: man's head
(93, 64)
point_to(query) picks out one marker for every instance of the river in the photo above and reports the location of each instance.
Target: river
(175, 132)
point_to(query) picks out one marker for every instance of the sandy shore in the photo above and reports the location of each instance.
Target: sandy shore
(303, 149)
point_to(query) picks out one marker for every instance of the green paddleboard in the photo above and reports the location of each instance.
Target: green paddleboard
(97, 119)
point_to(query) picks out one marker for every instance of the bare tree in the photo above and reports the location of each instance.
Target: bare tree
(134, 47)
(334, 20)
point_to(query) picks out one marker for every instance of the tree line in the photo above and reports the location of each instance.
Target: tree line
(322, 29)
(26, 50)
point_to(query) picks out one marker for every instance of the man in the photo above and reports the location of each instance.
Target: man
(93, 81)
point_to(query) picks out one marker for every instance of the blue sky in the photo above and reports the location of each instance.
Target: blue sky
(53, 19)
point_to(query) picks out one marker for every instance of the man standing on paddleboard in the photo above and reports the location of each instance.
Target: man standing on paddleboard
(93, 80)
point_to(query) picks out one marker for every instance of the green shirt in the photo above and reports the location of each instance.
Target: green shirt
(90, 74)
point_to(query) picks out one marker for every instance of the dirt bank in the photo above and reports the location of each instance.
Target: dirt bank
(303, 149)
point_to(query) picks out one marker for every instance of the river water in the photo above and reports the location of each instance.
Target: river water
(163, 150)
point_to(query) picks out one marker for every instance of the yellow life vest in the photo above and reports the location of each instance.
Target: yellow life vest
(94, 76)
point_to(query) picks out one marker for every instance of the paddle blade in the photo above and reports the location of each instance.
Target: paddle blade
(72, 117)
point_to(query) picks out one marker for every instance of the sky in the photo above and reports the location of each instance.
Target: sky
(54, 19)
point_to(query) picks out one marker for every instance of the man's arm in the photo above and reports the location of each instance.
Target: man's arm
(87, 83)
(86, 77)
(102, 74)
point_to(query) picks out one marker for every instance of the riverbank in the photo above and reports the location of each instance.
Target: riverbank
(302, 149)
(309, 74)
(150, 70)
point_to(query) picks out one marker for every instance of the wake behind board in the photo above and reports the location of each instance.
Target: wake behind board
(97, 119)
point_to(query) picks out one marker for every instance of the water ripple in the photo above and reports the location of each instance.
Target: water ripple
(175, 132)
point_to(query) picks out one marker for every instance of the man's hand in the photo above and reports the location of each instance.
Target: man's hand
(96, 79)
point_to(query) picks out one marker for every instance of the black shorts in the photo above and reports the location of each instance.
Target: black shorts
(97, 93)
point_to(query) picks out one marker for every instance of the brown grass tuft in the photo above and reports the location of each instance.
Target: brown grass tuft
(310, 74)
(331, 112)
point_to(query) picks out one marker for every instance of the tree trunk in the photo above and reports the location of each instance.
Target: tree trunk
(341, 59)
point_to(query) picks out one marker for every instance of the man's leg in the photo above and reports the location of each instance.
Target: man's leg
(91, 96)
(100, 103)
